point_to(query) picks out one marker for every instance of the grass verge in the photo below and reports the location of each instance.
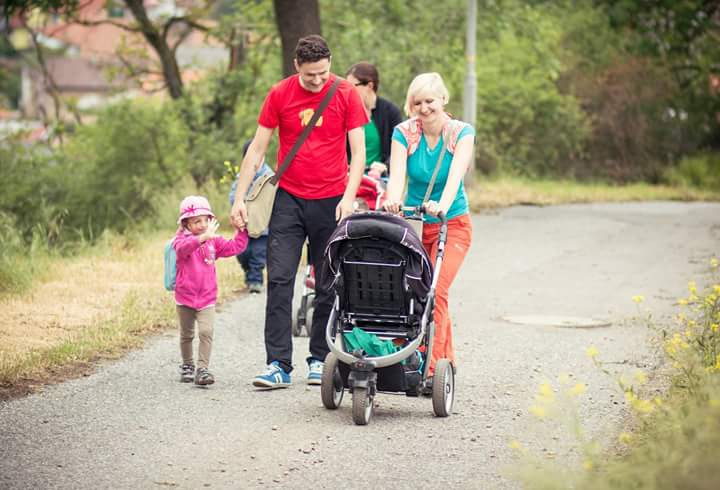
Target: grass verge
(94, 306)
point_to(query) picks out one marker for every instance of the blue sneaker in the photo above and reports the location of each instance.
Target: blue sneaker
(315, 370)
(273, 377)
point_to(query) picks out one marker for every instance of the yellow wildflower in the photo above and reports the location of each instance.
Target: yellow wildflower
(638, 298)
(643, 406)
(538, 411)
(591, 351)
(587, 465)
(714, 327)
(692, 287)
(545, 391)
(625, 438)
(682, 301)
(640, 377)
(714, 263)
(578, 389)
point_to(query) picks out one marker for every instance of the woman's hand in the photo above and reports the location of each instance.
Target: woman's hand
(432, 208)
(392, 206)
(378, 167)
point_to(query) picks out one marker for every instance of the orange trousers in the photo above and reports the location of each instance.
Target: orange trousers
(456, 248)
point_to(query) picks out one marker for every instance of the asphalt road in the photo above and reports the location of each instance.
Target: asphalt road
(131, 424)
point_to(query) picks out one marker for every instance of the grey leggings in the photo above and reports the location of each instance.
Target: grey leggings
(205, 320)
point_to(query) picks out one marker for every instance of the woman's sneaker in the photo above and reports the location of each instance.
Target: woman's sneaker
(187, 373)
(273, 377)
(203, 377)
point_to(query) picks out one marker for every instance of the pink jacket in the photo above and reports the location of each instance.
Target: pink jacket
(196, 281)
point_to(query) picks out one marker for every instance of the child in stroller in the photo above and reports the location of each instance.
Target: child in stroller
(370, 196)
(385, 286)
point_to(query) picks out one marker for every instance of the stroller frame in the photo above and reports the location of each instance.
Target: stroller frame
(374, 297)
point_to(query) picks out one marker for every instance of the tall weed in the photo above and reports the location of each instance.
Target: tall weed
(701, 171)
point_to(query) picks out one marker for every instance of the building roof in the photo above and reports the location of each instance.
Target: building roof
(79, 74)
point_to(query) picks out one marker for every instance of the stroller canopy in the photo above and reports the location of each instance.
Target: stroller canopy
(388, 227)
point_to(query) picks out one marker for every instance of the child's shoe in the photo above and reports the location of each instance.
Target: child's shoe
(203, 377)
(273, 377)
(187, 373)
(255, 288)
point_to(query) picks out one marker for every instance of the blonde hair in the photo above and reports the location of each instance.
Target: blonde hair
(428, 83)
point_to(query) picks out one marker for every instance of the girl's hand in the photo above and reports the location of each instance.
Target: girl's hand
(392, 206)
(213, 225)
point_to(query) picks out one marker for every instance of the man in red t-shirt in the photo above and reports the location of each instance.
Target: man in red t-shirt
(314, 193)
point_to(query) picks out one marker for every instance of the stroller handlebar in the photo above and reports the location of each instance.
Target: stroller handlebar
(419, 210)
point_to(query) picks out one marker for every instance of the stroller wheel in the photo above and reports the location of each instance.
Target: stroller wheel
(301, 318)
(332, 388)
(443, 390)
(298, 323)
(362, 406)
(310, 310)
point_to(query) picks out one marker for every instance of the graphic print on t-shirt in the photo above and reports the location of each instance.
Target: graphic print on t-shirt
(305, 116)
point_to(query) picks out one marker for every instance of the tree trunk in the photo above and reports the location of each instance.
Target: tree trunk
(295, 19)
(171, 71)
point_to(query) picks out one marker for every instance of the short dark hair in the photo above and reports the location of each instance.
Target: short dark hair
(365, 72)
(310, 49)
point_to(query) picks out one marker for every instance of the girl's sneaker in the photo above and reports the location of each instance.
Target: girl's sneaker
(187, 373)
(203, 377)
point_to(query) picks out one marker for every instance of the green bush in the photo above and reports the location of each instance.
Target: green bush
(701, 171)
(113, 169)
(525, 125)
(26, 192)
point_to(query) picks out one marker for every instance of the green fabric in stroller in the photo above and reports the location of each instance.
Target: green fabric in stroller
(373, 346)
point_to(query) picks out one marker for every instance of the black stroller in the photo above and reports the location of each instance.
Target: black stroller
(385, 286)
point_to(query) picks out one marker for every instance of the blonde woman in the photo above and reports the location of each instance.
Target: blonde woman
(430, 138)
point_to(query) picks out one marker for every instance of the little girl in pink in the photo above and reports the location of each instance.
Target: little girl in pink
(197, 247)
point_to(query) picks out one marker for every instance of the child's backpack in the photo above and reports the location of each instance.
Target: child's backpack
(170, 269)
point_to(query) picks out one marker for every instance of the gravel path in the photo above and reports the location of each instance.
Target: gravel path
(131, 424)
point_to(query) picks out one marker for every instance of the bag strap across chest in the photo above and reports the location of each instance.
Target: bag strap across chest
(306, 131)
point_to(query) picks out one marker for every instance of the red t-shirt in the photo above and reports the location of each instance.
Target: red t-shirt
(319, 169)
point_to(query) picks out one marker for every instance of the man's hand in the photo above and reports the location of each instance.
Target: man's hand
(343, 209)
(238, 215)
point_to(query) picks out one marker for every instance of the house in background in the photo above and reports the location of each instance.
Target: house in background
(81, 74)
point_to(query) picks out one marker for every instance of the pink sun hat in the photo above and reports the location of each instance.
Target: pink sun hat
(194, 206)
